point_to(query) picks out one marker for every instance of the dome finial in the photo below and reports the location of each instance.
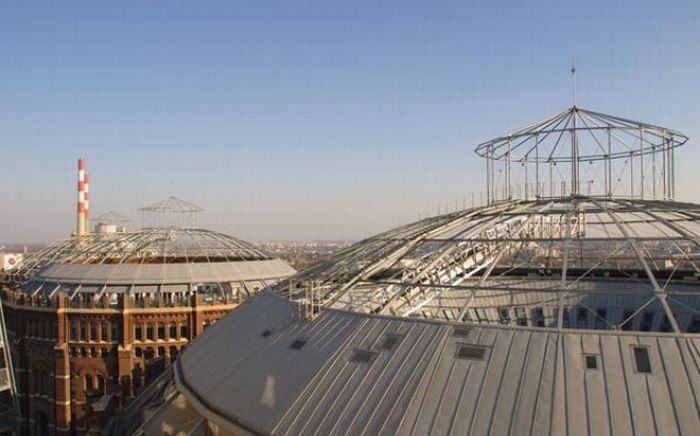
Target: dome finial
(573, 82)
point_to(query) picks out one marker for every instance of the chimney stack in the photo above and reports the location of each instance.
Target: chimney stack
(82, 199)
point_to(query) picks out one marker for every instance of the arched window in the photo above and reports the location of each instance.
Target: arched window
(116, 331)
(41, 424)
(105, 331)
(93, 332)
(100, 382)
(40, 381)
(89, 385)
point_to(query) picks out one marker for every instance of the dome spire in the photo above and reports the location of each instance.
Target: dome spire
(573, 82)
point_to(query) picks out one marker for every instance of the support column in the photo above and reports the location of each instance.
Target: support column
(62, 374)
(196, 326)
(124, 354)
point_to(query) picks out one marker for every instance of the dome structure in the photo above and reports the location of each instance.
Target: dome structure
(547, 311)
(176, 260)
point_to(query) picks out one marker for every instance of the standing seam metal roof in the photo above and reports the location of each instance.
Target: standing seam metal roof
(531, 381)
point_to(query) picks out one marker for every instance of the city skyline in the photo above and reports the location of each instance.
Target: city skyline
(323, 122)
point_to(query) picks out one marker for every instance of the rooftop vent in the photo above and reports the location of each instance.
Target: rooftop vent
(591, 361)
(298, 344)
(641, 359)
(362, 356)
(461, 331)
(471, 352)
(390, 341)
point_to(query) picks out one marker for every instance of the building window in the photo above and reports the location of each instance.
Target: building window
(138, 336)
(538, 317)
(665, 325)
(582, 318)
(93, 332)
(89, 385)
(161, 351)
(73, 330)
(105, 332)
(627, 315)
(521, 316)
(601, 318)
(149, 331)
(504, 315)
(83, 331)
(481, 315)
(38, 381)
(694, 326)
(173, 330)
(184, 331)
(137, 352)
(41, 424)
(161, 331)
(565, 320)
(647, 321)
(116, 331)
(100, 383)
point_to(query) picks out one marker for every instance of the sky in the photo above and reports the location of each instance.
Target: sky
(312, 119)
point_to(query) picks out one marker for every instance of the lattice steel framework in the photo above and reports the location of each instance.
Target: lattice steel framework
(581, 152)
(558, 260)
(153, 245)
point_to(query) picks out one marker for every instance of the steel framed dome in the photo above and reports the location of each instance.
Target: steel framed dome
(535, 314)
(147, 261)
(611, 261)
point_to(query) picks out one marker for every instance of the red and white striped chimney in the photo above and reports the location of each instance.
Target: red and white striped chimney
(82, 199)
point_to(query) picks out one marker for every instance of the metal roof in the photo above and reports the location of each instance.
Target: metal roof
(529, 381)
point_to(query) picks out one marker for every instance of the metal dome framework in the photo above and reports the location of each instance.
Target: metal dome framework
(602, 261)
(146, 246)
(149, 263)
(579, 151)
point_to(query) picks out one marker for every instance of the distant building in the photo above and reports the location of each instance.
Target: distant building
(9, 261)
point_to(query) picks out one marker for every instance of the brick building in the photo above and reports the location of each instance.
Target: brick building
(92, 320)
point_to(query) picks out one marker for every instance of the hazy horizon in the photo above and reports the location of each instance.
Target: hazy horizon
(324, 122)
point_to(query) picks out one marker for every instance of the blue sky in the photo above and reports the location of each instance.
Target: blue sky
(312, 119)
